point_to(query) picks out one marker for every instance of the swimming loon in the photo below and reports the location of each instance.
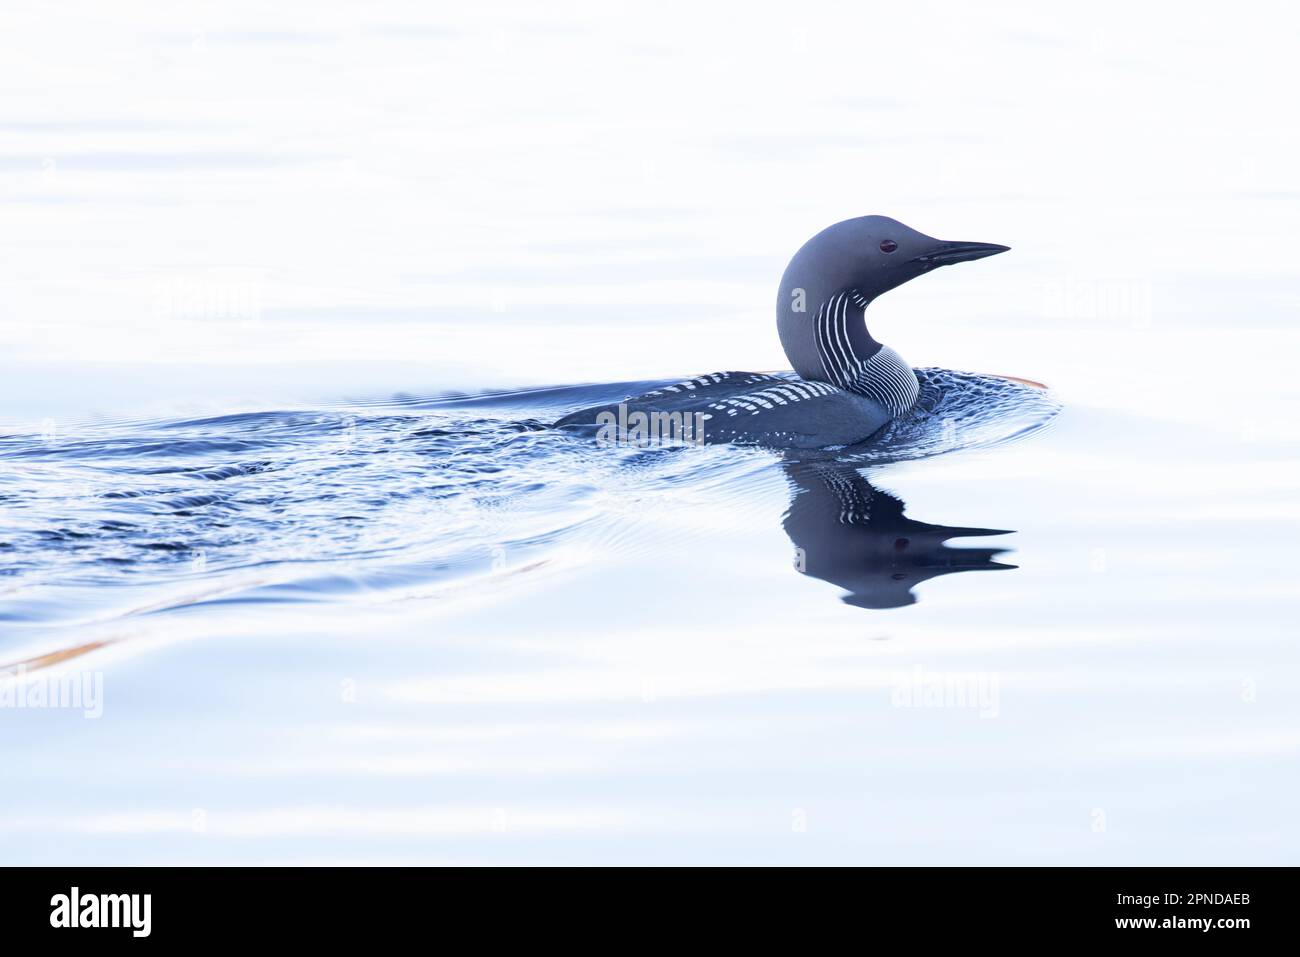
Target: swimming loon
(849, 384)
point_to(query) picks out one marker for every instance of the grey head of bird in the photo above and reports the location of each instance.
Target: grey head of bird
(820, 309)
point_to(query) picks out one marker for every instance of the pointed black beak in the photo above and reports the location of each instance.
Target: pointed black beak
(945, 254)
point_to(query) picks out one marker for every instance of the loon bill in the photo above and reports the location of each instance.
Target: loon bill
(849, 386)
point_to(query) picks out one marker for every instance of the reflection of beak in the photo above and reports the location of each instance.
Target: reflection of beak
(945, 254)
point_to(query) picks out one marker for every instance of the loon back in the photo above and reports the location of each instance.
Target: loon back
(754, 408)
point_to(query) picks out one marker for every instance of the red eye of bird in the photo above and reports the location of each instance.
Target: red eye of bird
(888, 245)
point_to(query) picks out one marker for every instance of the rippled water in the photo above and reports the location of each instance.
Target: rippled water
(329, 505)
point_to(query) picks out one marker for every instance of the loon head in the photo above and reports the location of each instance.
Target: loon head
(828, 285)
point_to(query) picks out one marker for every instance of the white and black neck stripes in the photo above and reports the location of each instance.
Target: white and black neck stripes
(854, 361)
(887, 378)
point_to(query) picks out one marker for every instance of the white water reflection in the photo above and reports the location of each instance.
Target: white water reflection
(233, 212)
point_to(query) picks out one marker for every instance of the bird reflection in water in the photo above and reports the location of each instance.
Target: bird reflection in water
(853, 535)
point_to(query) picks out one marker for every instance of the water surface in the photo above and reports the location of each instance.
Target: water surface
(285, 309)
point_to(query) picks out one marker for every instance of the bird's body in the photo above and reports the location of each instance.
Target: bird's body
(849, 384)
(755, 408)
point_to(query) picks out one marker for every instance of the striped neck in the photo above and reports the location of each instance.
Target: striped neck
(856, 362)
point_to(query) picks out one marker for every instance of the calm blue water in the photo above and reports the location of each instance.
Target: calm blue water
(283, 309)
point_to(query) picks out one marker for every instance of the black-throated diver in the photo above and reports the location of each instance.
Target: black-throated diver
(850, 385)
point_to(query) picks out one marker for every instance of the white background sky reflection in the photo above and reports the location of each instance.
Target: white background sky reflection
(226, 206)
